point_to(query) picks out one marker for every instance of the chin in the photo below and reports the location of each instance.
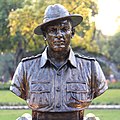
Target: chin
(59, 49)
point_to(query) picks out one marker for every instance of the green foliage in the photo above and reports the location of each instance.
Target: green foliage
(115, 85)
(19, 18)
(24, 21)
(5, 7)
(109, 46)
(85, 32)
(114, 48)
(6, 67)
(4, 86)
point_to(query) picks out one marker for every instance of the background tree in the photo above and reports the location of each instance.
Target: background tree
(6, 41)
(19, 18)
(114, 48)
(5, 7)
(24, 20)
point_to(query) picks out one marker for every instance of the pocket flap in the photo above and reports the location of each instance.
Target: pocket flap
(77, 87)
(40, 86)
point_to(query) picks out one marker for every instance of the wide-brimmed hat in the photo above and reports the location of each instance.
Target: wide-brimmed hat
(57, 12)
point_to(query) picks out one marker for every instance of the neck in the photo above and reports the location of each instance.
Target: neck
(58, 58)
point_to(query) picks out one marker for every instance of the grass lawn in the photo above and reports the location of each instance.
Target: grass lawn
(12, 114)
(111, 96)
(7, 97)
(105, 114)
(102, 114)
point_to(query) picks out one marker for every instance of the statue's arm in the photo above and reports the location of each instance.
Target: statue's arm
(19, 82)
(100, 84)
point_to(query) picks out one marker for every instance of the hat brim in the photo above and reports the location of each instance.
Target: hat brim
(76, 19)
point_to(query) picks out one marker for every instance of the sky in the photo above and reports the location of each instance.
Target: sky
(106, 20)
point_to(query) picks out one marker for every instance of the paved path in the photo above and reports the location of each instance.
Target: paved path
(90, 107)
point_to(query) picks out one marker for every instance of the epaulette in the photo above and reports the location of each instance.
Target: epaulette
(30, 58)
(84, 57)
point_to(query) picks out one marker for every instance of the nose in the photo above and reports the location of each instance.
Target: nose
(59, 34)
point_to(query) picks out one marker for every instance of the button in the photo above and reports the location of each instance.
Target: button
(58, 105)
(58, 89)
(59, 73)
(40, 88)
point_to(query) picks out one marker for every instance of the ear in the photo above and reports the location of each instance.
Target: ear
(73, 31)
(45, 38)
(43, 32)
(44, 35)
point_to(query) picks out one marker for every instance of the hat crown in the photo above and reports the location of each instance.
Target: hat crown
(55, 11)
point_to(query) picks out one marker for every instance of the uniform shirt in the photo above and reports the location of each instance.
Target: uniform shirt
(68, 88)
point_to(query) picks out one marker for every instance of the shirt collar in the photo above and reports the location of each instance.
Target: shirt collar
(43, 58)
(71, 58)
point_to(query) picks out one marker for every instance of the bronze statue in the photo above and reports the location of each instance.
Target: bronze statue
(58, 84)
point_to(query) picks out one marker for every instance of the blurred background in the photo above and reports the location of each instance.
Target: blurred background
(97, 36)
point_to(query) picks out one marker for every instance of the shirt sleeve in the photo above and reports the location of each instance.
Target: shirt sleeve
(100, 83)
(19, 83)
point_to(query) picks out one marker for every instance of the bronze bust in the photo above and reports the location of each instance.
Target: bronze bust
(58, 84)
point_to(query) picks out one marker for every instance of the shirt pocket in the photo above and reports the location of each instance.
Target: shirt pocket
(76, 91)
(39, 94)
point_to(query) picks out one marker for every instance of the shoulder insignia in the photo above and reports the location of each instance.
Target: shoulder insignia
(84, 57)
(30, 58)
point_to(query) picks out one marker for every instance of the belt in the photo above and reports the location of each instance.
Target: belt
(77, 115)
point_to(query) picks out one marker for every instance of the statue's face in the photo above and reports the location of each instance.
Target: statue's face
(58, 35)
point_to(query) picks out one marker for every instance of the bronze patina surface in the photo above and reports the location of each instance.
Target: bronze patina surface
(58, 84)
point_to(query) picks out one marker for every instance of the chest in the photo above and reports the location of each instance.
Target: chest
(67, 78)
(61, 88)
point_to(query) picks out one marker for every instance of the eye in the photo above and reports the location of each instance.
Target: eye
(65, 29)
(51, 30)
